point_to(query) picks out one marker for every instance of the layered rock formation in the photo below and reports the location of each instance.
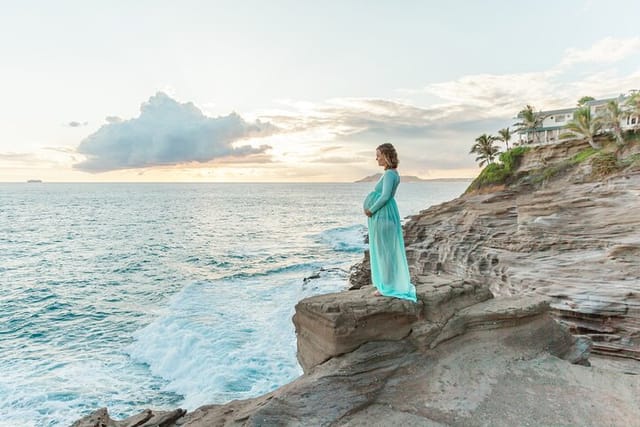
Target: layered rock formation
(574, 239)
(466, 360)
(563, 250)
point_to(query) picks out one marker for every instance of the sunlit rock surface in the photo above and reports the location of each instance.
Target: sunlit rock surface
(577, 242)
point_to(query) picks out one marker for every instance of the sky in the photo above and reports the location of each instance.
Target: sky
(289, 91)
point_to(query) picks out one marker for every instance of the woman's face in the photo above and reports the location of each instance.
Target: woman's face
(380, 159)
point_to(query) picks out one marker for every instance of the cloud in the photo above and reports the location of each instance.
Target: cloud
(492, 95)
(168, 133)
(345, 118)
(489, 95)
(75, 124)
(18, 157)
(607, 50)
(45, 157)
(113, 119)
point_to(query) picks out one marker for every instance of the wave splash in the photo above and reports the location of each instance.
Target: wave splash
(228, 339)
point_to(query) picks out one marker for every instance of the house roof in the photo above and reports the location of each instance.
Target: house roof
(620, 99)
(541, 129)
(551, 112)
(561, 111)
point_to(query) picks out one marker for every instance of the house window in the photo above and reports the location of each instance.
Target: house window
(633, 120)
(560, 118)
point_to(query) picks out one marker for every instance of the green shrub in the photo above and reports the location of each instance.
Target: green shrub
(583, 155)
(511, 158)
(499, 173)
(631, 136)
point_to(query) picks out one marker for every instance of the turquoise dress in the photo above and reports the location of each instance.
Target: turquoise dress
(389, 269)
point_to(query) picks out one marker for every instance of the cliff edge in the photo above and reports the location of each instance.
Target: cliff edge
(517, 284)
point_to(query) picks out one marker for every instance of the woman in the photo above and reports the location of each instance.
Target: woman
(389, 269)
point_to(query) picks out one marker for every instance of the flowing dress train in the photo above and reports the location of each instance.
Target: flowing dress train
(389, 268)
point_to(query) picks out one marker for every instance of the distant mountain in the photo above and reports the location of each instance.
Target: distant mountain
(410, 178)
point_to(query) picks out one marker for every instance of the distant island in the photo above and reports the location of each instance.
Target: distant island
(32, 181)
(410, 178)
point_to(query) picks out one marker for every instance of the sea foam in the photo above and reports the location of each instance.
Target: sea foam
(228, 339)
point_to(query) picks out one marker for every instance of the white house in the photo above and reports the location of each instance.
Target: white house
(554, 122)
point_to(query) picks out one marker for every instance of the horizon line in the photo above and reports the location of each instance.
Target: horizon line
(225, 182)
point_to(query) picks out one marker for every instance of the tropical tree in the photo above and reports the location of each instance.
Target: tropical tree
(485, 149)
(632, 107)
(505, 136)
(530, 120)
(611, 118)
(582, 101)
(583, 124)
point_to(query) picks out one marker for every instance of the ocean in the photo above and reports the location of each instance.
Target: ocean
(132, 296)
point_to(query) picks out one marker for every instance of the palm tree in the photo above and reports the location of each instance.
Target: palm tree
(582, 101)
(485, 149)
(611, 118)
(505, 136)
(584, 125)
(530, 121)
(632, 106)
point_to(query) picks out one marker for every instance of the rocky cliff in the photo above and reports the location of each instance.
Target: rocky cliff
(574, 238)
(503, 278)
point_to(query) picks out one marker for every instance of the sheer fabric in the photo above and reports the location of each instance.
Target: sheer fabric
(389, 269)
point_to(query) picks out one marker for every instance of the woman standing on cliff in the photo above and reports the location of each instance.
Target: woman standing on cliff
(389, 269)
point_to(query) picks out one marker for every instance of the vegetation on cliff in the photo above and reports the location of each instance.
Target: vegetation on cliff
(593, 163)
(611, 149)
(500, 173)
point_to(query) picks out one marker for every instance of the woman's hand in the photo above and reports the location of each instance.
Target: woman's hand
(368, 213)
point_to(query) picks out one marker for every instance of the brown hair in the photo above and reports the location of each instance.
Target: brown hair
(389, 155)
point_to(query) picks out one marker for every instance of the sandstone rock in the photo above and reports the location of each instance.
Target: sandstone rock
(575, 242)
(333, 324)
(497, 370)
(146, 418)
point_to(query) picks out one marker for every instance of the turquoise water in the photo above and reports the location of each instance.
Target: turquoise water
(166, 295)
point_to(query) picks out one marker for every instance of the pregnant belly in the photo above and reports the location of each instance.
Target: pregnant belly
(370, 199)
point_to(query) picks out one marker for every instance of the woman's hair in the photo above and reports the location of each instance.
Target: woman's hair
(389, 154)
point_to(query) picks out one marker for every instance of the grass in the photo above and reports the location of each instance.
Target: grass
(544, 174)
(583, 155)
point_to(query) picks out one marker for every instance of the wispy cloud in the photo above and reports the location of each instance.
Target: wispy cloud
(168, 133)
(502, 95)
(607, 50)
(46, 157)
(349, 117)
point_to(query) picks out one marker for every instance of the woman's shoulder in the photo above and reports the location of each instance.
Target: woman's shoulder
(393, 172)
